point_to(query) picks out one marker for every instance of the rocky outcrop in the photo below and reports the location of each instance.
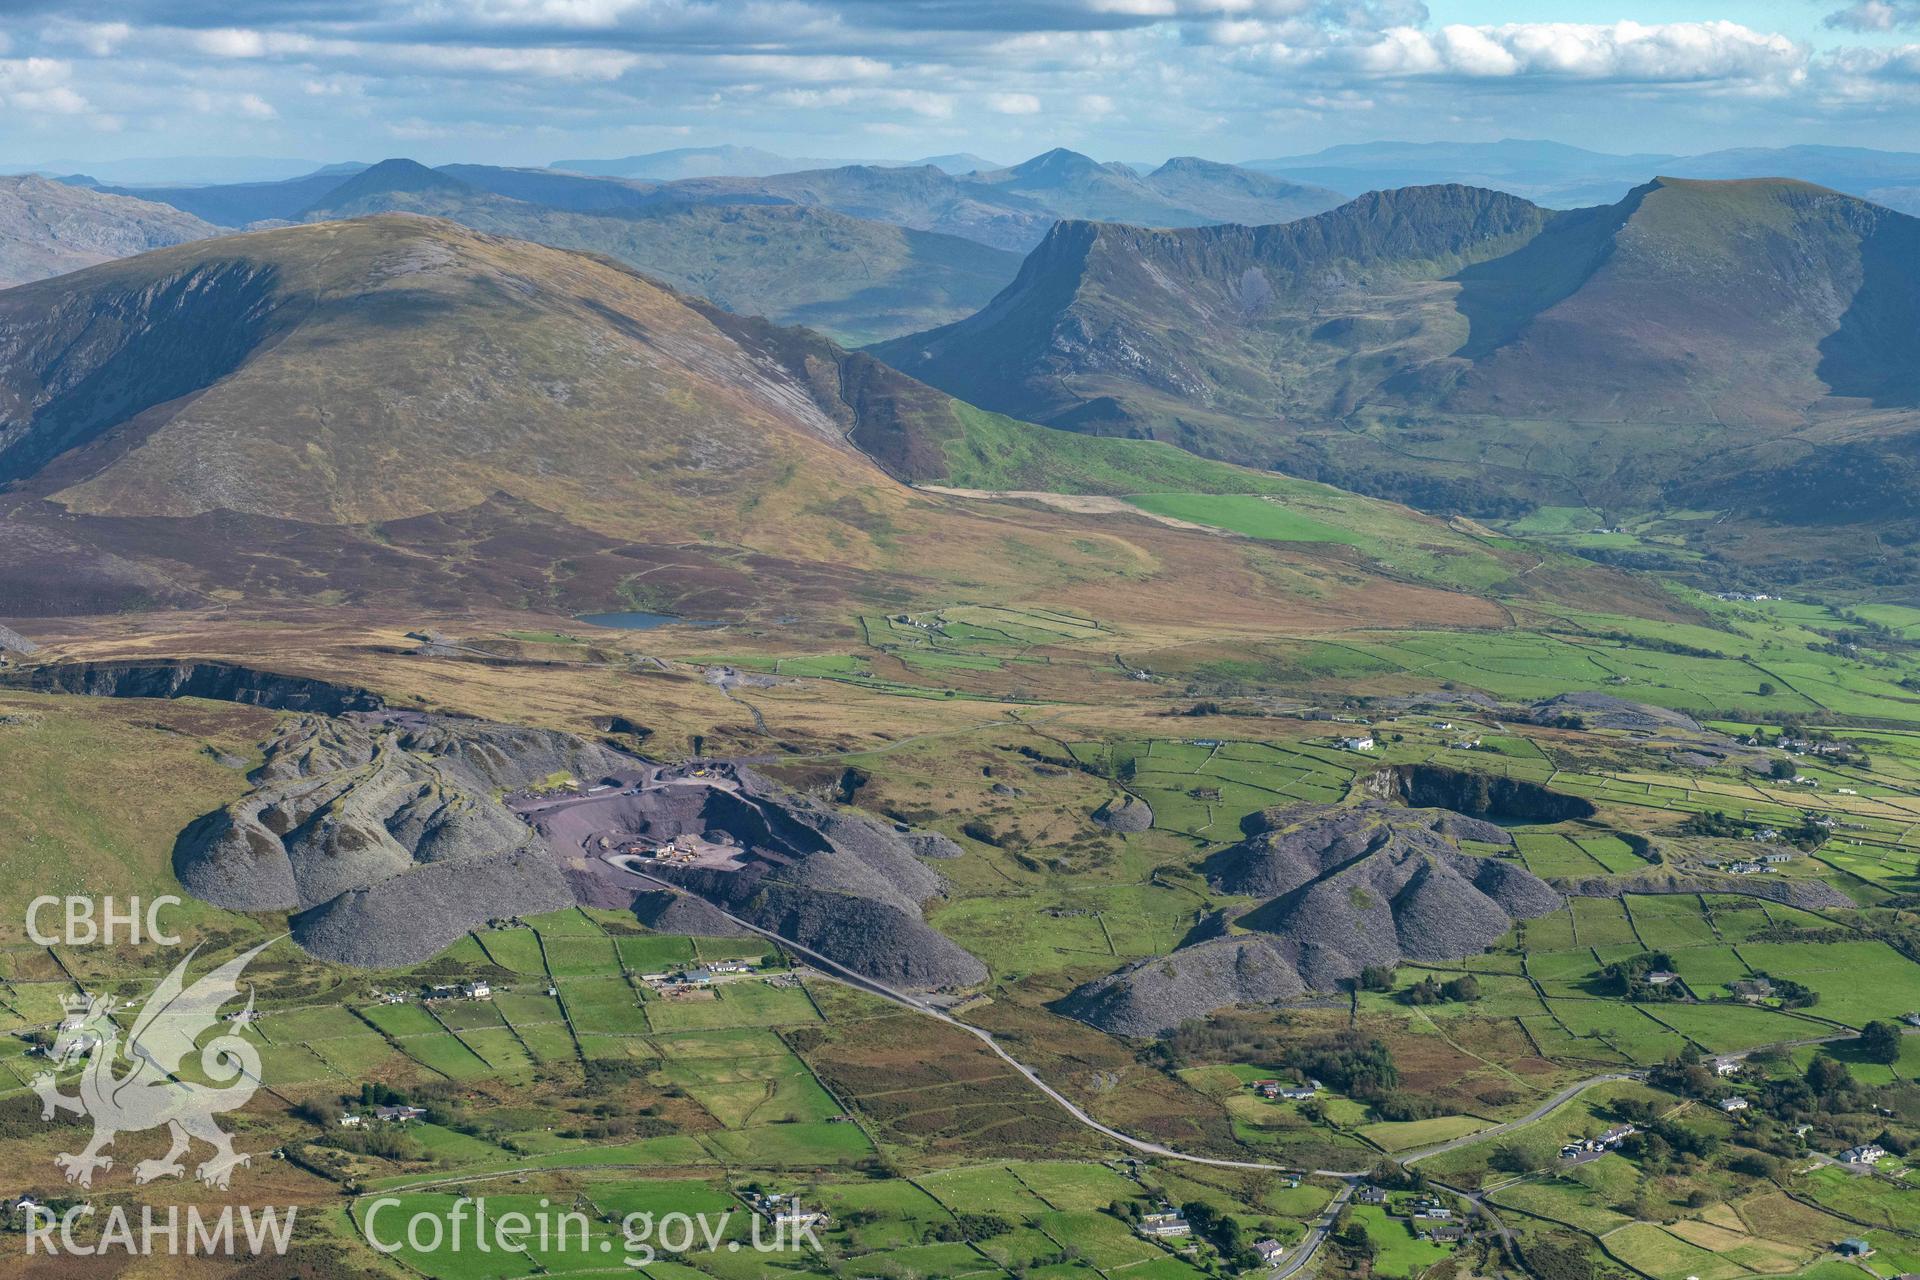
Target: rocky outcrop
(1477, 795)
(12, 641)
(382, 836)
(834, 880)
(1154, 995)
(1345, 887)
(219, 681)
(1126, 814)
(1604, 711)
(411, 917)
(667, 912)
(1808, 895)
(831, 878)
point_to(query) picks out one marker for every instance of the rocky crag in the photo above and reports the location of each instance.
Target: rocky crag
(381, 834)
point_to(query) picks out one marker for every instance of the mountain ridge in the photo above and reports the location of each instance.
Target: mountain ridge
(1690, 311)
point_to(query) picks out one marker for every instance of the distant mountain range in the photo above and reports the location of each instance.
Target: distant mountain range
(399, 411)
(1008, 208)
(743, 162)
(1751, 345)
(1564, 177)
(855, 280)
(1012, 208)
(49, 228)
(862, 253)
(175, 170)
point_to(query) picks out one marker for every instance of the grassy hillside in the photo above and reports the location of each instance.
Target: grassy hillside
(398, 412)
(1741, 347)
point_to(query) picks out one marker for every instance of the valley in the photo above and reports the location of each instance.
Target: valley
(1068, 721)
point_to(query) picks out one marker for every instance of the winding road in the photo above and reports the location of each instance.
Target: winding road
(1322, 1227)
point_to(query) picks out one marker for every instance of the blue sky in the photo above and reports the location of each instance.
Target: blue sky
(530, 81)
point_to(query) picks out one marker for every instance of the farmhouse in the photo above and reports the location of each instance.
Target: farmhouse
(1441, 1232)
(477, 991)
(1165, 1225)
(1731, 1105)
(1662, 978)
(1725, 1066)
(1776, 858)
(1854, 1247)
(1357, 744)
(398, 1114)
(1371, 1195)
(1270, 1251)
(350, 1121)
(786, 1211)
(1865, 1153)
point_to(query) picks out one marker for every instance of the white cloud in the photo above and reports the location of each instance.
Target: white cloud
(39, 85)
(1876, 15)
(1673, 52)
(256, 107)
(1013, 104)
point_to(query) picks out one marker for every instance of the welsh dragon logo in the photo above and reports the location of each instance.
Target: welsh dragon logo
(149, 1091)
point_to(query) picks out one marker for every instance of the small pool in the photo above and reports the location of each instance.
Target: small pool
(639, 620)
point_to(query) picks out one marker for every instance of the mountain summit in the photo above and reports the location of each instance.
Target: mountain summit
(1684, 321)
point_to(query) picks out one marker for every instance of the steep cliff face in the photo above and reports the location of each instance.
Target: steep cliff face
(50, 228)
(1672, 348)
(219, 681)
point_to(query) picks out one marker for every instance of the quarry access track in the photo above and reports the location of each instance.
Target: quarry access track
(838, 972)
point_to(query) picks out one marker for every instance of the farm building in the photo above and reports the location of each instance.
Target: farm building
(1854, 1247)
(1165, 1225)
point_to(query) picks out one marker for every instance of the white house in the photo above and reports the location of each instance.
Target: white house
(1165, 1226)
(1357, 744)
(1731, 1105)
(1865, 1153)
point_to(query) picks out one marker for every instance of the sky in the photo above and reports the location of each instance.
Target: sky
(533, 81)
